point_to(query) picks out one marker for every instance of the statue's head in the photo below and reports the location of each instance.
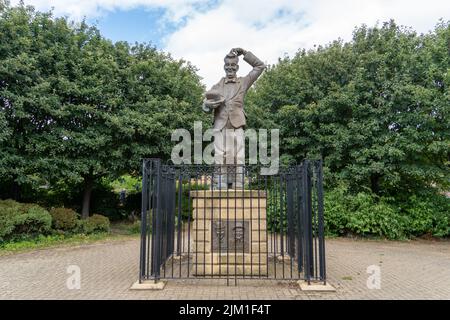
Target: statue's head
(231, 65)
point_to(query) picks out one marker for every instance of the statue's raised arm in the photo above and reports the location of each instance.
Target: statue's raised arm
(226, 99)
(251, 59)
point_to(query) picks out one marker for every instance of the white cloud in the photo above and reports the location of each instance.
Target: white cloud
(259, 26)
(267, 28)
(77, 9)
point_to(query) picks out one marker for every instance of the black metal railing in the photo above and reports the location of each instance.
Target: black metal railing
(264, 226)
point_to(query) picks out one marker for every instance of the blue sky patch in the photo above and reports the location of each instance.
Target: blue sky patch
(135, 25)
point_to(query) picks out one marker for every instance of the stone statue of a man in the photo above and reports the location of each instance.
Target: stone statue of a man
(226, 98)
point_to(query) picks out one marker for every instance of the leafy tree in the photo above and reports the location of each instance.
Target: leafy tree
(77, 107)
(375, 109)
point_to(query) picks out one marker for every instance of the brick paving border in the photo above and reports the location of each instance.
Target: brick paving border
(409, 270)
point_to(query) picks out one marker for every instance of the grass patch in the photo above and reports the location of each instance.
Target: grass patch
(126, 228)
(119, 231)
(347, 278)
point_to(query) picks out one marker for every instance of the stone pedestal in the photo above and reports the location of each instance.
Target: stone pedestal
(229, 232)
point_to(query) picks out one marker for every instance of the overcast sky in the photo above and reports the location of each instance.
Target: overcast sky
(202, 32)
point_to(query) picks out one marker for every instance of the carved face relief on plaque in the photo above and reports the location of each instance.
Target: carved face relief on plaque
(231, 236)
(239, 231)
(219, 233)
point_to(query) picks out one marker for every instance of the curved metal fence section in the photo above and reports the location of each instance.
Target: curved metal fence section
(252, 226)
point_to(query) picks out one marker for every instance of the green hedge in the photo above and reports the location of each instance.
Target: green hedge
(429, 214)
(366, 214)
(64, 219)
(95, 223)
(22, 221)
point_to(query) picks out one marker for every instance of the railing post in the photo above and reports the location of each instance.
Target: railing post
(307, 214)
(310, 218)
(290, 214)
(300, 220)
(321, 230)
(157, 225)
(179, 224)
(144, 208)
(306, 265)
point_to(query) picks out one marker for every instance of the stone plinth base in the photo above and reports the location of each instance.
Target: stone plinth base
(304, 286)
(229, 232)
(149, 285)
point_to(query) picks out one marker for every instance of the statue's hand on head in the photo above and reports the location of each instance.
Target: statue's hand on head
(238, 51)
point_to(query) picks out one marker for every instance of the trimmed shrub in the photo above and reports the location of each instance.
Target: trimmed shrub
(427, 214)
(100, 223)
(363, 214)
(22, 221)
(335, 212)
(64, 219)
(370, 215)
(135, 228)
(366, 214)
(94, 224)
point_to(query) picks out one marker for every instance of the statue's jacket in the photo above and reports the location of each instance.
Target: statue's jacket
(234, 92)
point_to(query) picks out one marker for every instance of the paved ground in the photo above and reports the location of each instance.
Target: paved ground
(409, 270)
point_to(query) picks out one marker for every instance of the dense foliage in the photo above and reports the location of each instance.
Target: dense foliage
(375, 109)
(64, 219)
(366, 214)
(75, 107)
(78, 111)
(93, 224)
(22, 221)
(29, 222)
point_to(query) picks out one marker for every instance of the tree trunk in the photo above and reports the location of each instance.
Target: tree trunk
(88, 184)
